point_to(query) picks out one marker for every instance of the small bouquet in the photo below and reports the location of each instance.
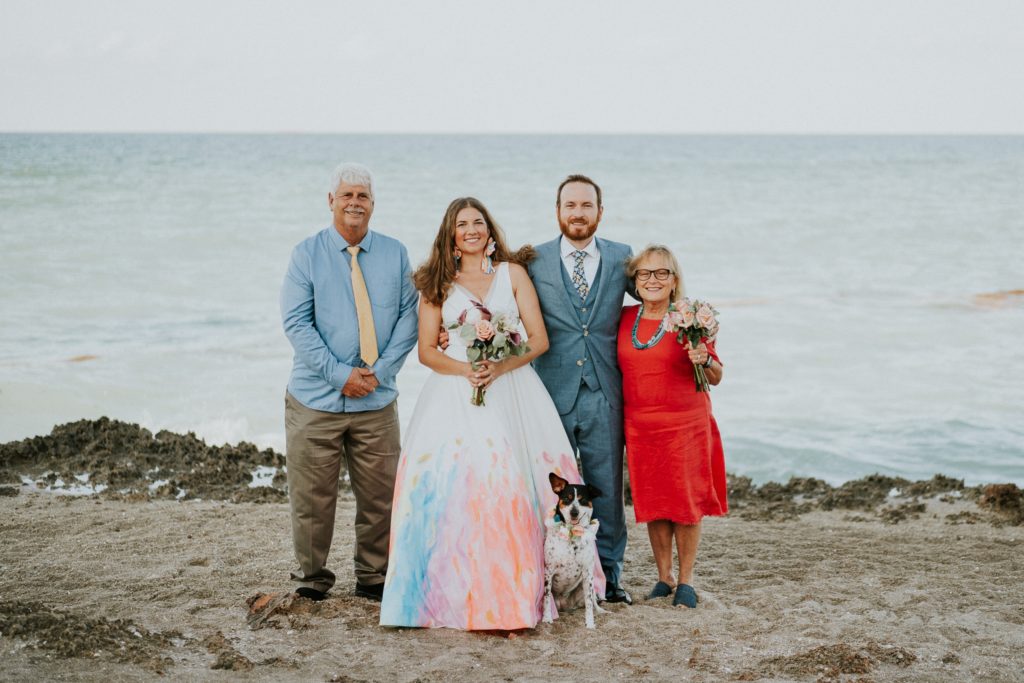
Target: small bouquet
(691, 320)
(488, 338)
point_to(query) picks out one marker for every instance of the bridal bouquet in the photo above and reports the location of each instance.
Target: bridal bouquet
(691, 320)
(488, 337)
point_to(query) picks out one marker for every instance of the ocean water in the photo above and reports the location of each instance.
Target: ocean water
(865, 284)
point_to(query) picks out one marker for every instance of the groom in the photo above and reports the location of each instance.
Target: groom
(580, 281)
(349, 310)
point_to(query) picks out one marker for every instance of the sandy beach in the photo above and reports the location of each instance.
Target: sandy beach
(802, 582)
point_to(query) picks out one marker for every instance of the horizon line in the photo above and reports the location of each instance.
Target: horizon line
(525, 133)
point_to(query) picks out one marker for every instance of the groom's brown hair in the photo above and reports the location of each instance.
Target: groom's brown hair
(578, 178)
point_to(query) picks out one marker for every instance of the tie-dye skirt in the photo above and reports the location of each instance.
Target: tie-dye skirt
(467, 532)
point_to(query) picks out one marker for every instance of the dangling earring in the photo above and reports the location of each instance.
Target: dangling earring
(458, 257)
(486, 265)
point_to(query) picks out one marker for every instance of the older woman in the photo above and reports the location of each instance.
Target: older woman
(676, 463)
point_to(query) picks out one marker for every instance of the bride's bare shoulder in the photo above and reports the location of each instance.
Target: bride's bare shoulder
(517, 272)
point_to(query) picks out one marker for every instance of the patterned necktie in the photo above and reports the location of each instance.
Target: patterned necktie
(579, 278)
(367, 333)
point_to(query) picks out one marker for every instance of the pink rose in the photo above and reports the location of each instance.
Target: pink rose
(484, 330)
(706, 317)
(687, 317)
(674, 320)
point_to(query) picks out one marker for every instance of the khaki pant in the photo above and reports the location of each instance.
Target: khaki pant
(317, 441)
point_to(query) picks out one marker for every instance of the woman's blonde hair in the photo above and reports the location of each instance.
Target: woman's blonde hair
(633, 264)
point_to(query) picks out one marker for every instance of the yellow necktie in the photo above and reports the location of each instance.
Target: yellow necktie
(367, 333)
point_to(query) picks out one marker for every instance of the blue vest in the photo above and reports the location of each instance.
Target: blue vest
(583, 333)
(584, 313)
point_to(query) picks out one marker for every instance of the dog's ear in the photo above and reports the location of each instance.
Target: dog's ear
(593, 491)
(557, 483)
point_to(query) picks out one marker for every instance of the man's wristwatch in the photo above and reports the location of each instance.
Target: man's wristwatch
(708, 362)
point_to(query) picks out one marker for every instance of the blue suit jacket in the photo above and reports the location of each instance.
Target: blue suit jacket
(573, 345)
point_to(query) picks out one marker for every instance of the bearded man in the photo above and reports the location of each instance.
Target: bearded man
(581, 282)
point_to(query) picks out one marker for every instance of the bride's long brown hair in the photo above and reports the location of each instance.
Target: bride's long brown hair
(434, 277)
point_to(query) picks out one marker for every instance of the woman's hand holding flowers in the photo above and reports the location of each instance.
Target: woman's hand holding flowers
(699, 355)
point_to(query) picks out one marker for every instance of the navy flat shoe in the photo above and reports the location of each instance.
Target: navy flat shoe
(685, 596)
(660, 590)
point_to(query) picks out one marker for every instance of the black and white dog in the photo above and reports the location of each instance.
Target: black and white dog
(569, 549)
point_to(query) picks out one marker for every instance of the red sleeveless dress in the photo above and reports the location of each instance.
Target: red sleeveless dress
(673, 448)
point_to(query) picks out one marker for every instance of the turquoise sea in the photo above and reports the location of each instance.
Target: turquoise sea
(870, 288)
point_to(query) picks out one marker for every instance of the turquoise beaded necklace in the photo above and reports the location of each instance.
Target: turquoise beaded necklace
(653, 340)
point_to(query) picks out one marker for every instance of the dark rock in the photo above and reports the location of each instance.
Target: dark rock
(128, 459)
(940, 483)
(862, 494)
(964, 517)
(1005, 499)
(900, 513)
(777, 502)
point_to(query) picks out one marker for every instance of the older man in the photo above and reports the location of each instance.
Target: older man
(581, 281)
(349, 310)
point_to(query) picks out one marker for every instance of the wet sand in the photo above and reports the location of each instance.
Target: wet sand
(802, 582)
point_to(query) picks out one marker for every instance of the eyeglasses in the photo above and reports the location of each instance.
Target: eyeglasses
(659, 274)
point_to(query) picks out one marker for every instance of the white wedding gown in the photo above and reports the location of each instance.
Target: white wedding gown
(472, 493)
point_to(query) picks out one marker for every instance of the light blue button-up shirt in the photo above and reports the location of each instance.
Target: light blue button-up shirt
(319, 316)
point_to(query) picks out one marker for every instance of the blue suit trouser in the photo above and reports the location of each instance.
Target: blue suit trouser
(595, 432)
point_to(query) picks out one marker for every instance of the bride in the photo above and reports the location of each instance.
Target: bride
(472, 491)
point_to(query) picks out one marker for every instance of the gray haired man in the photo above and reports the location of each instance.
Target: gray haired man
(349, 310)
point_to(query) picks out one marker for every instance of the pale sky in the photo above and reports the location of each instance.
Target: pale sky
(559, 66)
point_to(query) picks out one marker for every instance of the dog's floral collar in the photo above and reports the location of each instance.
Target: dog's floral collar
(568, 531)
(565, 531)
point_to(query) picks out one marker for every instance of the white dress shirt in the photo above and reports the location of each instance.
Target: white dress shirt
(591, 259)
